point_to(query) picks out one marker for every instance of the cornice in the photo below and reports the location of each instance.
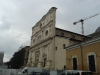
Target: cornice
(88, 42)
(42, 43)
(49, 24)
(50, 11)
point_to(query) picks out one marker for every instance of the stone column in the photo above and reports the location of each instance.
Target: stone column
(40, 58)
(33, 58)
(28, 59)
(48, 52)
(48, 61)
(52, 53)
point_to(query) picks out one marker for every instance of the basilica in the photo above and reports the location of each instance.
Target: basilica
(47, 48)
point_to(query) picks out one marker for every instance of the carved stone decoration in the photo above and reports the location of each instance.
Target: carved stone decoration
(48, 63)
(37, 54)
(39, 64)
(44, 56)
(42, 34)
(33, 64)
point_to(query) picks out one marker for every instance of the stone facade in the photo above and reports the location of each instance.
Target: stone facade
(47, 43)
(42, 41)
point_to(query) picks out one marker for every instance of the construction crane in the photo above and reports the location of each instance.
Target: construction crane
(82, 20)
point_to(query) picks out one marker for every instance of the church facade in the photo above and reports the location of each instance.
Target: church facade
(47, 48)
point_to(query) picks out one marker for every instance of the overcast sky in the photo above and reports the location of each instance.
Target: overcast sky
(17, 17)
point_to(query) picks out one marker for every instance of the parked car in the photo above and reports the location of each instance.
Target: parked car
(29, 70)
(35, 73)
(76, 72)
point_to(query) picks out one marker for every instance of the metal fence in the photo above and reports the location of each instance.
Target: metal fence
(9, 71)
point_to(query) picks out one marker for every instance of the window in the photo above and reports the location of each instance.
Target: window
(72, 73)
(64, 46)
(25, 70)
(33, 41)
(84, 39)
(50, 17)
(39, 38)
(73, 36)
(40, 25)
(92, 62)
(56, 48)
(46, 33)
(62, 34)
(74, 63)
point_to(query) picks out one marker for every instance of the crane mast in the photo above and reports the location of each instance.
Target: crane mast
(82, 22)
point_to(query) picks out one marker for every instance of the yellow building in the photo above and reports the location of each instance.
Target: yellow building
(85, 55)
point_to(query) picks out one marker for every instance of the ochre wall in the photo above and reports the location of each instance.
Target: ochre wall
(85, 50)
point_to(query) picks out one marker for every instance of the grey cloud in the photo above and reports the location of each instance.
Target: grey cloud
(6, 25)
(9, 44)
(21, 15)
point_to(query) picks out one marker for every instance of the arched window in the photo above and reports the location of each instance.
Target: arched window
(33, 41)
(46, 33)
(75, 62)
(39, 38)
(40, 25)
(91, 61)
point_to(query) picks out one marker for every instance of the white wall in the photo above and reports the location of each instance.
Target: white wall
(60, 53)
(9, 71)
